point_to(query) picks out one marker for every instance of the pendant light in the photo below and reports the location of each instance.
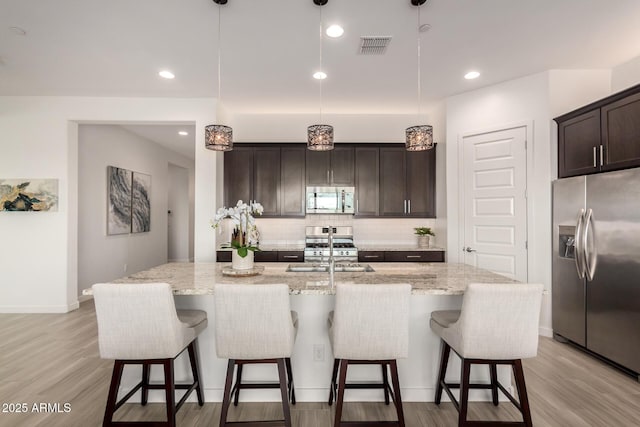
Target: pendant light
(320, 137)
(219, 137)
(419, 137)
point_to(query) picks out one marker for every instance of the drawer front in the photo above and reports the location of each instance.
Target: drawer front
(414, 256)
(265, 256)
(290, 256)
(223, 256)
(371, 256)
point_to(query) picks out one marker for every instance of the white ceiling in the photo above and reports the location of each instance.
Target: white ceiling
(270, 48)
(167, 136)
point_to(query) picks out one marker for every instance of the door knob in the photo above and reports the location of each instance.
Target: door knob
(468, 249)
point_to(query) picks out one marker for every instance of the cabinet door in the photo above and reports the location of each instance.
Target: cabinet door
(342, 165)
(290, 256)
(266, 179)
(318, 168)
(292, 181)
(392, 181)
(238, 175)
(621, 133)
(414, 256)
(367, 171)
(579, 145)
(370, 256)
(421, 183)
(265, 256)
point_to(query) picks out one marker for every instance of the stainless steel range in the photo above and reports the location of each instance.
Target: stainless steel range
(317, 244)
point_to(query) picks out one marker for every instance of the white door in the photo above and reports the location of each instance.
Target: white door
(495, 204)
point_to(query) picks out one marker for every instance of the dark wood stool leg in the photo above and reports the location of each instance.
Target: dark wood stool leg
(397, 399)
(522, 392)
(226, 397)
(494, 383)
(146, 370)
(195, 370)
(385, 382)
(334, 379)
(464, 393)
(283, 391)
(290, 385)
(344, 363)
(444, 361)
(116, 376)
(170, 392)
(236, 396)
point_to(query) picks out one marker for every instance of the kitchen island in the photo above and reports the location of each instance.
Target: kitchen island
(435, 286)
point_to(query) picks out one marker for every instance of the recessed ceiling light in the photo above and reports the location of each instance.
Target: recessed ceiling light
(166, 74)
(335, 31)
(183, 133)
(472, 75)
(319, 75)
(19, 31)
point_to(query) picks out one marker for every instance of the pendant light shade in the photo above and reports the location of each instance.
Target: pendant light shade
(320, 137)
(419, 138)
(218, 137)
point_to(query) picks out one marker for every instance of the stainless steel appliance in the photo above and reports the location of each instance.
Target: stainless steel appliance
(317, 244)
(330, 200)
(596, 264)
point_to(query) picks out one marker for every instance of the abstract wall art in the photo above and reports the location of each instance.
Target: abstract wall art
(119, 200)
(28, 195)
(141, 203)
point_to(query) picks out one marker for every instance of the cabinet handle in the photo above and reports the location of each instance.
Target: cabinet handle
(372, 256)
(409, 204)
(595, 164)
(290, 256)
(405, 206)
(357, 205)
(601, 155)
(332, 176)
(328, 179)
(414, 256)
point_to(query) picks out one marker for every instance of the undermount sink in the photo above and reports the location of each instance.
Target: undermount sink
(324, 268)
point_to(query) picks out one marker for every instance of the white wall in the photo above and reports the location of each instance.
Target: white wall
(625, 75)
(101, 257)
(179, 237)
(40, 139)
(535, 100)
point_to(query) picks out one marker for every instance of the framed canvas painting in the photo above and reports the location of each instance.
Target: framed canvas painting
(141, 203)
(119, 200)
(28, 195)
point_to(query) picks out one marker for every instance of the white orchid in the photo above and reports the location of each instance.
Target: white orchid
(242, 217)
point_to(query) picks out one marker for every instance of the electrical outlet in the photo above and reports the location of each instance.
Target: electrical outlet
(318, 352)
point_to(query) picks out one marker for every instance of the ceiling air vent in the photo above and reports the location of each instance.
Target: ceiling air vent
(374, 45)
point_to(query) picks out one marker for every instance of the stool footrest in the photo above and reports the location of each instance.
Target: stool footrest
(273, 423)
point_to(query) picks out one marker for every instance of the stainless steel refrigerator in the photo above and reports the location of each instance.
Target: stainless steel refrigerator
(596, 264)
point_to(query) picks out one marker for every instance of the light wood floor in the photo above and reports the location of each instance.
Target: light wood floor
(54, 358)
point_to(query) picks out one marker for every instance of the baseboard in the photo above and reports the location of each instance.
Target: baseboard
(179, 260)
(38, 309)
(545, 332)
(83, 298)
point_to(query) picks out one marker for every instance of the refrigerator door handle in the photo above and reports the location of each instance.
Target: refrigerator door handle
(590, 254)
(579, 249)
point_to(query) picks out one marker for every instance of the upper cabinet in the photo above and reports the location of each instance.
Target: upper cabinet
(602, 136)
(270, 175)
(331, 168)
(407, 183)
(367, 174)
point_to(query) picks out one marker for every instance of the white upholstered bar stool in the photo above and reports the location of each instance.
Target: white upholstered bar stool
(498, 325)
(139, 324)
(370, 326)
(255, 324)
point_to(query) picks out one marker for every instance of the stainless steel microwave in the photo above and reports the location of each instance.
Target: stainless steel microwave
(330, 200)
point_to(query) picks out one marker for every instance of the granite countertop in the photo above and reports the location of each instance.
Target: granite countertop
(425, 278)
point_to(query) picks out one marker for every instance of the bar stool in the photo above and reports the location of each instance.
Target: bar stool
(254, 324)
(370, 326)
(498, 325)
(138, 325)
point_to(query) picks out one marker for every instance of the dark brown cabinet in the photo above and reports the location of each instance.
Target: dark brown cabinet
(292, 181)
(407, 183)
(290, 256)
(274, 176)
(367, 181)
(602, 136)
(335, 167)
(370, 256)
(414, 256)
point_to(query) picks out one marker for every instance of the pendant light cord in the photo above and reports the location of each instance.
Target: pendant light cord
(320, 38)
(219, 56)
(419, 64)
